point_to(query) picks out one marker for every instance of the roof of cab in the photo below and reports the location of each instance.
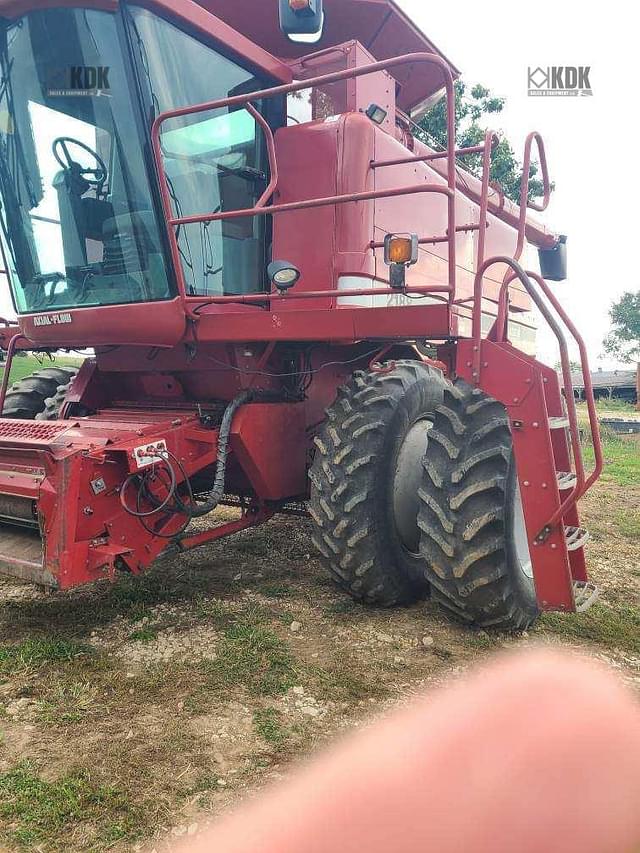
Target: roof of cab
(379, 25)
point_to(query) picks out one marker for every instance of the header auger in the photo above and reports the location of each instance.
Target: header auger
(293, 302)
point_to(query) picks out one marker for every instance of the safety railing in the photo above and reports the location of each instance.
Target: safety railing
(263, 208)
(4, 385)
(514, 272)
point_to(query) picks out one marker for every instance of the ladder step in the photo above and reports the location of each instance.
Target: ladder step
(576, 537)
(585, 594)
(566, 480)
(558, 423)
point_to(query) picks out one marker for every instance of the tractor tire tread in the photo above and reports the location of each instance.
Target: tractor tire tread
(462, 514)
(35, 397)
(343, 477)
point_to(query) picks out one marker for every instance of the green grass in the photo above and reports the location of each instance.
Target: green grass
(68, 703)
(611, 627)
(38, 651)
(144, 635)
(254, 657)
(605, 405)
(621, 460)
(26, 365)
(628, 523)
(275, 590)
(344, 607)
(36, 811)
(267, 722)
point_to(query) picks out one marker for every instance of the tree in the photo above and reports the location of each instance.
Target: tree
(575, 366)
(471, 107)
(623, 341)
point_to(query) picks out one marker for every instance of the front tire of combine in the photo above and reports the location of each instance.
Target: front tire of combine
(473, 536)
(38, 397)
(365, 478)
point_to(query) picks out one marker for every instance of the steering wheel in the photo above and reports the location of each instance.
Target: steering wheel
(60, 151)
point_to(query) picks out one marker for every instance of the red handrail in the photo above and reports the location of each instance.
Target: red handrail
(525, 204)
(534, 136)
(588, 384)
(247, 100)
(7, 368)
(490, 138)
(582, 483)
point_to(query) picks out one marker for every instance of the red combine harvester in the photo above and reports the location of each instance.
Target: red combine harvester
(293, 302)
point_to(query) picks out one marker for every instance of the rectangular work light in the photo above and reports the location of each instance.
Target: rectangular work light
(400, 251)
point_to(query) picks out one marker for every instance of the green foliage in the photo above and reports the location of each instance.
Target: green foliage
(621, 460)
(28, 364)
(252, 656)
(66, 703)
(614, 627)
(267, 722)
(628, 523)
(575, 366)
(623, 341)
(38, 651)
(33, 810)
(626, 407)
(472, 106)
(144, 635)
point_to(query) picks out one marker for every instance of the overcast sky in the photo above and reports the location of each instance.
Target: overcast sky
(493, 43)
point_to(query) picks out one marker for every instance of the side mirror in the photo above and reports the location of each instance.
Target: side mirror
(553, 262)
(301, 17)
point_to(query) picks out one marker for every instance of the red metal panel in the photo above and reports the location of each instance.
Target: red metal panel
(19, 431)
(270, 444)
(184, 12)
(111, 325)
(89, 534)
(16, 8)
(563, 461)
(426, 59)
(308, 155)
(331, 325)
(20, 479)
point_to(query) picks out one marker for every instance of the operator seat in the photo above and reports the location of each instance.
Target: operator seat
(81, 218)
(131, 244)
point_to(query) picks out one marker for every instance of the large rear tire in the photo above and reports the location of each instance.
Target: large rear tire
(40, 395)
(365, 478)
(474, 543)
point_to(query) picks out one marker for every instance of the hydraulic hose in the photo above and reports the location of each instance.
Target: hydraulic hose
(215, 495)
(190, 509)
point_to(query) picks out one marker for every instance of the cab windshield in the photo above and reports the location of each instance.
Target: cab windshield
(79, 90)
(214, 161)
(78, 222)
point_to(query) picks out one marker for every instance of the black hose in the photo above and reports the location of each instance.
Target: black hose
(189, 509)
(216, 494)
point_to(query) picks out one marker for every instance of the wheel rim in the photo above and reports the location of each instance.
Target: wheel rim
(406, 482)
(520, 538)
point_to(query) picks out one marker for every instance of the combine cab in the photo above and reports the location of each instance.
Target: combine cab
(295, 305)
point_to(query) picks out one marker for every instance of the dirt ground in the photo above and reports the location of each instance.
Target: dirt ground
(131, 715)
